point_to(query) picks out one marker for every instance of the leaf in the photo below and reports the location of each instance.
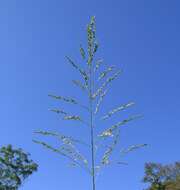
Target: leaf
(109, 80)
(104, 73)
(100, 101)
(69, 100)
(132, 148)
(114, 127)
(120, 108)
(82, 52)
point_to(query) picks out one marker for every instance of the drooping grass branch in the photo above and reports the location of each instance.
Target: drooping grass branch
(94, 83)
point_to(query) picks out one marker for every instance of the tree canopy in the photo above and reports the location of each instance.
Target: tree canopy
(15, 167)
(162, 177)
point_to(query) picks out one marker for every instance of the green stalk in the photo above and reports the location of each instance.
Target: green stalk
(92, 128)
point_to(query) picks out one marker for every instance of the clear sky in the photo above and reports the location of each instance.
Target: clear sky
(141, 37)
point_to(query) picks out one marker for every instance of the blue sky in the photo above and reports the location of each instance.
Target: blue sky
(141, 37)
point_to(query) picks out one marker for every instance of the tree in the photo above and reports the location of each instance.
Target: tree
(15, 167)
(162, 177)
(94, 83)
(173, 185)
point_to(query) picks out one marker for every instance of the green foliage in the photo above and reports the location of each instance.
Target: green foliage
(15, 167)
(95, 79)
(162, 177)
